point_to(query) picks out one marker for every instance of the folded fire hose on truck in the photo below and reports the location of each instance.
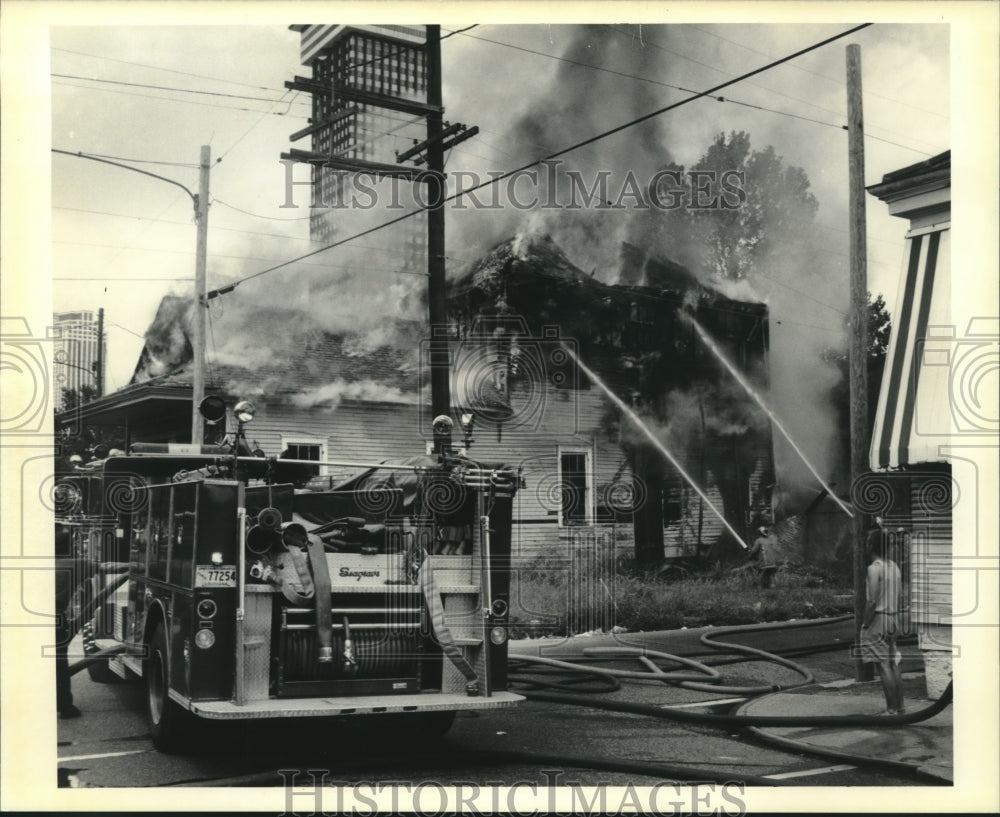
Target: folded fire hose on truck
(302, 584)
(435, 609)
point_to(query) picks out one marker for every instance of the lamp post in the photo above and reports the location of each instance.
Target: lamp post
(200, 201)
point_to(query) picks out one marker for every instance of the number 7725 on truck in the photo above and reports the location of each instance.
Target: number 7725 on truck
(236, 591)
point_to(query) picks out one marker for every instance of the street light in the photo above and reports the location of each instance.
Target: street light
(200, 201)
(92, 371)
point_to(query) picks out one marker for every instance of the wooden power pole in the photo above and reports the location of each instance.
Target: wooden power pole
(436, 301)
(100, 363)
(859, 332)
(200, 305)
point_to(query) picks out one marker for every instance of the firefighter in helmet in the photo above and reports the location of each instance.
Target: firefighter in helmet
(762, 555)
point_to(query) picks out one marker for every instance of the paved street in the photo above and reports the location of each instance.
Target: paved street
(109, 746)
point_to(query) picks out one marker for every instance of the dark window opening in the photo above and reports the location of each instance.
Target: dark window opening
(672, 501)
(304, 451)
(573, 479)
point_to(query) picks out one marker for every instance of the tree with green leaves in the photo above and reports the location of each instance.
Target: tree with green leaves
(742, 204)
(876, 350)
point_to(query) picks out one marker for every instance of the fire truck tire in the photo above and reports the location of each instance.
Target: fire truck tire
(433, 724)
(100, 673)
(428, 725)
(170, 726)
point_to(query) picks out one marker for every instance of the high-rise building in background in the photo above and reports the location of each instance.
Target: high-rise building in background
(76, 351)
(368, 64)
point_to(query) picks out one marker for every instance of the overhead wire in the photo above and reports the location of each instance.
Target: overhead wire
(247, 132)
(182, 101)
(564, 151)
(367, 267)
(836, 80)
(768, 90)
(168, 88)
(161, 68)
(653, 81)
(370, 247)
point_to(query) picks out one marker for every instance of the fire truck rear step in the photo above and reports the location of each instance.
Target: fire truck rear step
(325, 707)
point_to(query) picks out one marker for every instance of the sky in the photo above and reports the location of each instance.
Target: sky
(121, 240)
(83, 235)
(151, 95)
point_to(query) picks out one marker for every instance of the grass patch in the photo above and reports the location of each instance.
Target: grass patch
(546, 599)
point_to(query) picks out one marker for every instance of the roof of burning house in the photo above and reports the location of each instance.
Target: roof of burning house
(518, 258)
(532, 277)
(309, 367)
(528, 276)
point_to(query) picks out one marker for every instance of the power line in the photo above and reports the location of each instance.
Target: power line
(246, 133)
(576, 146)
(161, 68)
(168, 88)
(821, 76)
(783, 321)
(371, 247)
(105, 278)
(654, 81)
(368, 267)
(801, 293)
(764, 88)
(257, 215)
(174, 99)
(112, 323)
(896, 144)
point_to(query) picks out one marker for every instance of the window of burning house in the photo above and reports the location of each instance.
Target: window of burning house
(575, 482)
(303, 448)
(642, 332)
(673, 502)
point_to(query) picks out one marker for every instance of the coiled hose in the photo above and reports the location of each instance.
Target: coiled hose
(569, 691)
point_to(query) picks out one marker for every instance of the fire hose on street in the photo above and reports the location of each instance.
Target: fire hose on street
(698, 681)
(578, 682)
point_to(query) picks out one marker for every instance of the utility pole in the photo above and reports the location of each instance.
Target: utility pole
(99, 365)
(437, 304)
(200, 305)
(347, 86)
(859, 333)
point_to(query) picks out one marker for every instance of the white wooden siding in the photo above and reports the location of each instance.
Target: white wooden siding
(931, 554)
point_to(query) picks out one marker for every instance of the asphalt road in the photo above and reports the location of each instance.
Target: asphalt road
(109, 745)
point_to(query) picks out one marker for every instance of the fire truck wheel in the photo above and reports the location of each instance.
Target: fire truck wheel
(429, 725)
(169, 725)
(100, 673)
(433, 724)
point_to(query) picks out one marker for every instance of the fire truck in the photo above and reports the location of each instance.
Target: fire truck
(234, 589)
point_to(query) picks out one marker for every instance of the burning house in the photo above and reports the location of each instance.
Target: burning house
(521, 317)
(591, 469)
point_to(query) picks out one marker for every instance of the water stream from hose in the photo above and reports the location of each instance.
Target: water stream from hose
(755, 395)
(645, 429)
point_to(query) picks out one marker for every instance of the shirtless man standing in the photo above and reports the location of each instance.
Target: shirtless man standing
(880, 625)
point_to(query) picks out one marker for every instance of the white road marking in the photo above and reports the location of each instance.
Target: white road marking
(715, 702)
(809, 772)
(106, 754)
